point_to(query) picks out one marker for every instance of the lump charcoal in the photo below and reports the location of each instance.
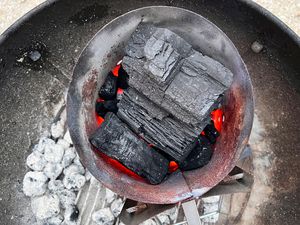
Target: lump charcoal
(116, 140)
(152, 109)
(106, 106)
(211, 133)
(135, 46)
(196, 90)
(108, 90)
(122, 81)
(199, 156)
(142, 82)
(159, 51)
(145, 118)
(189, 90)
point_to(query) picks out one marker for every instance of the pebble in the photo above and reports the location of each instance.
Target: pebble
(74, 181)
(45, 206)
(54, 153)
(35, 183)
(44, 141)
(36, 161)
(57, 220)
(57, 130)
(109, 196)
(116, 207)
(63, 143)
(53, 170)
(55, 185)
(68, 157)
(67, 198)
(256, 47)
(34, 55)
(103, 217)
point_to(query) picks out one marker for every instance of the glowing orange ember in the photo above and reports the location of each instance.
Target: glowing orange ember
(115, 70)
(173, 166)
(119, 166)
(99, 119)
(120, 91)
(217, 117)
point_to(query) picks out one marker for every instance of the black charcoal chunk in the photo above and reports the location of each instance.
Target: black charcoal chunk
(158, 51)
(123, 78)
(75, 213)
(116, 140)
(164, 67)
(106, 106)
(196, 89)
(199, 156)
(156, 126)
(211, 133)
(108, 90)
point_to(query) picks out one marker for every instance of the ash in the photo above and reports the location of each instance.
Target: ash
(61, 189)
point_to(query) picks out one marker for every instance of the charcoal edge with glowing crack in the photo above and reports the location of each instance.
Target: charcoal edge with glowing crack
(116, 140)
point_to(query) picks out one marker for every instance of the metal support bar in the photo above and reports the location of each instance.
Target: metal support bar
(191, 212)
(134, 213)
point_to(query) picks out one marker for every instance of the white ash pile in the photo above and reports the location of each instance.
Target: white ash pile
(55, 178)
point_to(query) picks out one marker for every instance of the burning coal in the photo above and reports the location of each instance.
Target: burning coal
(159, 110)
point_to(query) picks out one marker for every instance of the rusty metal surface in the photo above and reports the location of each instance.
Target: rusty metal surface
(106, 49)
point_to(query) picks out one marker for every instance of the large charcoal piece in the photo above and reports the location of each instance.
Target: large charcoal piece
(166, 69)
(157, 126)
(116, 140)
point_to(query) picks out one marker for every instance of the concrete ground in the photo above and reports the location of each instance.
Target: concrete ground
(286, 10)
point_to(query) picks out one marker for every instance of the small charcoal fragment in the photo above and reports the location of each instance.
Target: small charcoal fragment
(71, 214)
(211, 133)
(116, 140)
(106, 106)
(108, 90)
(122, 79)
(199, 156)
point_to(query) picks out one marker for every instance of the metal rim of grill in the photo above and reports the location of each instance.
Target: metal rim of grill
(100, 55)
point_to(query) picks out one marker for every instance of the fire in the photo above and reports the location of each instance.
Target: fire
(216, 116)
(115, 70)
(116, 164)
(173, 166)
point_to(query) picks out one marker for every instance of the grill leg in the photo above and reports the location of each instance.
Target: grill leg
(191, 213)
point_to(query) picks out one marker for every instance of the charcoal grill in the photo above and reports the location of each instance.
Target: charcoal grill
(66, 26)
(106, 49)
